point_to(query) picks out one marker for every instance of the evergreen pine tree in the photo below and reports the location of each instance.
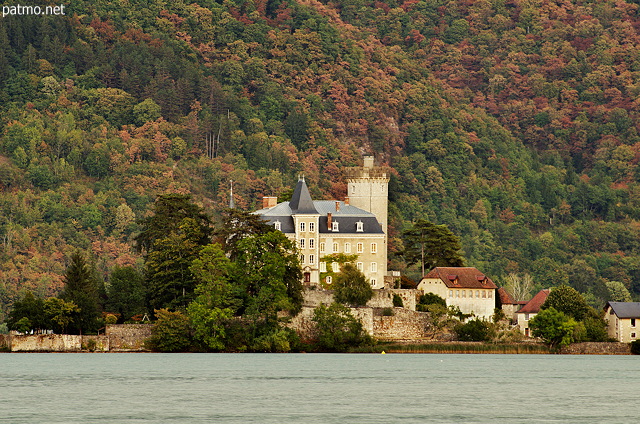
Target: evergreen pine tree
(81, 288)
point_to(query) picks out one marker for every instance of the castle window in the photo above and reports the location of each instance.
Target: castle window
(374, 247)
(490, 294)
(302, 243)
(360, 266)
(312, 243)
(302, 227)
(312, 227)
(633, 322)
(457, 293)
(484, 294)
(323, 267)
(335, 225)
(277, 225)
(301, 259)
(359, 226)
(347, 248)
(359, 247)
(477, 294)
(312, 259)
(373, 281)
(329, 280)
(335, 247)
(374, 267)
(450, 293)
(322, 247)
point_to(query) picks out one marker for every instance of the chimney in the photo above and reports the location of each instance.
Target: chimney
(337, 206)
(368, 162)
(346, 201)
(269, 202)
(329, 221)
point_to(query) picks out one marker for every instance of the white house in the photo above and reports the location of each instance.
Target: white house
(623, 320)
(464, 287)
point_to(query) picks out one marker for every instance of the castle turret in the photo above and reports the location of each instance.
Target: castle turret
(367, 189)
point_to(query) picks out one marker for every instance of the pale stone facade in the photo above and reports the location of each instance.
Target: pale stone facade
(464, 287)
(623, 321)
(353, 227)
(530, 310)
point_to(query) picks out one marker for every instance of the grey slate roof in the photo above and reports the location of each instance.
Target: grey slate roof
(626, 309)
(347, 216)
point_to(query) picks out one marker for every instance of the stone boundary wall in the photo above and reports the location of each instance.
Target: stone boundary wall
(403, 325)
(123, 338)
(382, 298)
(46, 343)
(313, 298)
(128, 336)
(303, 322)
(592, 348)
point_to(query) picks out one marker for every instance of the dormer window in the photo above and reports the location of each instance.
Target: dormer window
(334, 226)
(359, 226)
(277, 225)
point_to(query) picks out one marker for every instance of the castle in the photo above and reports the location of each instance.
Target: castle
(355, 226)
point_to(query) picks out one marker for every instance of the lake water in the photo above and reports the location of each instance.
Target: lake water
(318, 388)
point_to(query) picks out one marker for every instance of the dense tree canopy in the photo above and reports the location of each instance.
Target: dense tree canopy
(514, 124)
(430, 245)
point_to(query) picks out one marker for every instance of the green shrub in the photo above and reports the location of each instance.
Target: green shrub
(337, 330)
(171, 332)
(110, 319)
(635, 347)
(397, 301)
(277, 341)
(474, 331)
(387, 312)
(91, 345)
(429, 299)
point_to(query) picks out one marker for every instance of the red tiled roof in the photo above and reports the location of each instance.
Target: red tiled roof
(533, 306)
(462, 277)
(505, 297)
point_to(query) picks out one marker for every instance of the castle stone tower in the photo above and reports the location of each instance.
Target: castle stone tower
(368, 189)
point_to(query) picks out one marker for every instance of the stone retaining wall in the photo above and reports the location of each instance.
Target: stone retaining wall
(403, 325)
(128, 336)
(592, 348)
(381, 298)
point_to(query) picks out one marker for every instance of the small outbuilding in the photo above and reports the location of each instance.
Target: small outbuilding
(622, 319)
(529, 310)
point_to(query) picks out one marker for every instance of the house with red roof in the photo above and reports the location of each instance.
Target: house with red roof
(464, 287)
(529, 310)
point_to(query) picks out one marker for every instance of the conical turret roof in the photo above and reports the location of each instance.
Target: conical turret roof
(301, 201)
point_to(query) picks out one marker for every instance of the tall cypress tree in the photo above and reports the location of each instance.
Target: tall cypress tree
(81, 287)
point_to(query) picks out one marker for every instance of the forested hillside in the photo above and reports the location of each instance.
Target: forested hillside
(513, 122)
